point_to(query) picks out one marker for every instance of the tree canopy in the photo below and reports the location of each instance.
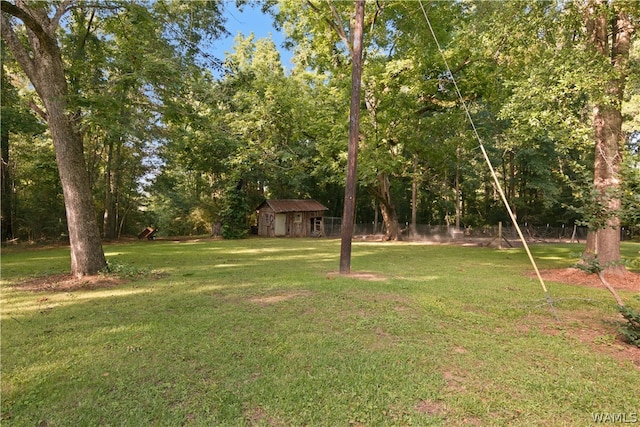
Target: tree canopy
(167, 142)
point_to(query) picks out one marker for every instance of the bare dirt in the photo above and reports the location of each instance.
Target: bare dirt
(601, 334)
(68, 283)
(574, 276)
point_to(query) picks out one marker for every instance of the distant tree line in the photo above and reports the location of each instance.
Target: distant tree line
(166, 132)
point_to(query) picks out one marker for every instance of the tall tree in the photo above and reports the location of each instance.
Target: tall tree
(564, 67)
(609, 30)
(354, 44)
(62, 69)
(40, 57)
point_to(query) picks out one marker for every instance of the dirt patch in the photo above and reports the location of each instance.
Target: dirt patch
(602, 334)
(357, 275)
(259, 417)
(68, 283)
(430, 407)
(278, 298)
(574, 276)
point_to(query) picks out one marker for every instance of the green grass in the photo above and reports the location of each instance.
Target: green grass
(256, 332)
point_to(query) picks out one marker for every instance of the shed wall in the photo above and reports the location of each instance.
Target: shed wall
(297, 224)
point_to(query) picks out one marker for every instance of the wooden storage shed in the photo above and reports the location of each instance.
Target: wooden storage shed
(291, 218)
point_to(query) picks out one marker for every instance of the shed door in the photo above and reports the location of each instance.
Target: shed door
(281, 225)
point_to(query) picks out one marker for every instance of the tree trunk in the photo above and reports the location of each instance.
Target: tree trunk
(392, 226)
(108, 218)
(41, 60)
(609, 34)
(389, 214)
(87, 257)
(111, 189)
(5, 187)
(414, 199)
(457, 190)
(607, 124)
(348, 214)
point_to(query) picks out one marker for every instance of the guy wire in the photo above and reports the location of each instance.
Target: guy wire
(491, 169)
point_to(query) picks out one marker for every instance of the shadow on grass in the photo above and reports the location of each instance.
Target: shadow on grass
(256, 332)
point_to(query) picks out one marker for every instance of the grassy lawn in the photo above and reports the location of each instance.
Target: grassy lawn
(256, 332)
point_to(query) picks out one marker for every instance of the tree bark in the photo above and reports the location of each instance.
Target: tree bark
(609, 33)
(6, 231)
(607, 129)
(413, 232)
(41, 60)
(108, 219)
(382, 193)
(111, 216)
(348, 214)
(458, 194)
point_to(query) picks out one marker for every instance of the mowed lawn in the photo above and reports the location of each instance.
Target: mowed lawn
(260, 332)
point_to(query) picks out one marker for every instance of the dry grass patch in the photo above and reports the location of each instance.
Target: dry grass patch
(430, 407)
(274, 299)
(374, 277)
(68, 283)
(257, 416)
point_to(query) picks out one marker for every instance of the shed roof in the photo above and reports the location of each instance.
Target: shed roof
(293, 205)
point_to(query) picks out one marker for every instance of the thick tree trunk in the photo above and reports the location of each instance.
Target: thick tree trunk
(41, 60)
(392, 226)
(87, 257)
(609, 34)
(607, 124)
(389, 214)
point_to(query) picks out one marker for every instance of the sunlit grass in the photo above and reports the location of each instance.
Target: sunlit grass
(263, 332)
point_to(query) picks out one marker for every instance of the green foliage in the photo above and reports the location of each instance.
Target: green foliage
(122, 270)
(592, 264)
(631, 330)
(234, 213)
(15, 115)
(152, 111)
(589, 265)
(39, 212)
(630, 192)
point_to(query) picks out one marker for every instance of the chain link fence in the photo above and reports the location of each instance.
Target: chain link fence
(532, 233)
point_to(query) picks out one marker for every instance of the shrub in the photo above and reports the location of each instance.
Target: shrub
(234, 213)
(631, 330)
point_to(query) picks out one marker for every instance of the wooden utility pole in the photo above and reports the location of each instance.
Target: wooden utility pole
(354, 130)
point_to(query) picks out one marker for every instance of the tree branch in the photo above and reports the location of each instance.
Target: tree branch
(610, 289)
(64, 7)
(39, 111)
(22, 15)
(346, 38)
(38, 28)
(17, 48)
(339, 30)
(83, 42)
(379, 8)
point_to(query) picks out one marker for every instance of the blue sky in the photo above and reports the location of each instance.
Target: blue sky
(250, 20)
